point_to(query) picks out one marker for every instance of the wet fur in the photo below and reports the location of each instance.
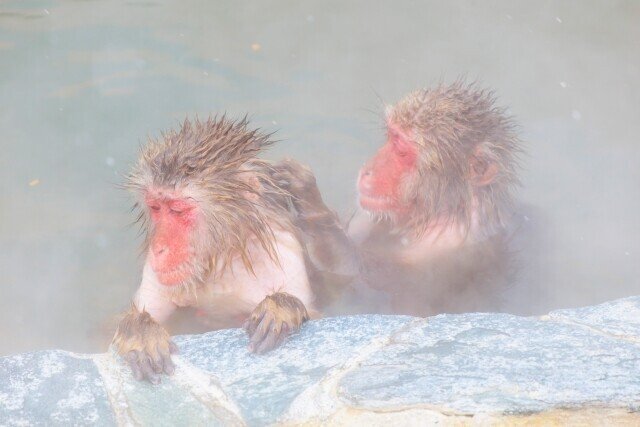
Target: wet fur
(277, 316)
(450, 124)
(137, 331)
(214, 161)
(242, 224)
(454, 126)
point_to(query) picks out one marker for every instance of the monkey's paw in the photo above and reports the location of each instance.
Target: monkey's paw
(300, 182)
(145, 346)
(273, 320)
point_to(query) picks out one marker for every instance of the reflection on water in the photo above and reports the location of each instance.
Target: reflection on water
(84, 82)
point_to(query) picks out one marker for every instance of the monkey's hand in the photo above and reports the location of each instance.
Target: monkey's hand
(145, 345)
(300, 182)
(274, 319)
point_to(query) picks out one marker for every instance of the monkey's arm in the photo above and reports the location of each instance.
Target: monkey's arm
(329, 247)
(139, 339)
(153, 297)
(289, 301)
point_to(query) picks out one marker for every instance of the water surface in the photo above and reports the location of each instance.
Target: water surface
(84, 83)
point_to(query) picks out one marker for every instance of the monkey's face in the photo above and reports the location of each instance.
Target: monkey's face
(174, 224)
(381, 179)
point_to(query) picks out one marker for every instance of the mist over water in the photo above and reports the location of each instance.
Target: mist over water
(83, 83)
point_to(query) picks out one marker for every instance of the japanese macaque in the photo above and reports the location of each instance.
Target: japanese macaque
(218, 237)
(435, 208)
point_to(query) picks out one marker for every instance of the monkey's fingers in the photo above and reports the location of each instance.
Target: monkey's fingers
(132, 361)
(281, 177)
(169, 367)
(275, 336)
(293, 176)
(253, 321)
(147, 369)
(156, 362)
(280, 315)
(260, 332)
(285, 180)
(173, 348)
(165, 364)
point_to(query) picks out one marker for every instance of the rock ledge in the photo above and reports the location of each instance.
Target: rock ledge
(570, 366)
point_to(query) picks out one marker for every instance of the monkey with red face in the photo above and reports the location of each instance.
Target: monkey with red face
(435, 207)
(218, 237)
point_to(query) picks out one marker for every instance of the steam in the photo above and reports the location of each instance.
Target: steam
(93, 85)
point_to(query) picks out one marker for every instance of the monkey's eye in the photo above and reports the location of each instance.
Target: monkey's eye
(176, 211)
(155, 208)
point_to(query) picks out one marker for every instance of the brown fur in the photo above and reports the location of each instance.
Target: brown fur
(285, 308)
(145, 346)
(216, 159)
(238, 212)
(466, 171)
(279, 315)
(453, 124)
(139, 332)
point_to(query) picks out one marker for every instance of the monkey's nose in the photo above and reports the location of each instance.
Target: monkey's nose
(366, 178)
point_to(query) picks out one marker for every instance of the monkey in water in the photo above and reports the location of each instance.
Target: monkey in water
(217, 237)
(431, 233)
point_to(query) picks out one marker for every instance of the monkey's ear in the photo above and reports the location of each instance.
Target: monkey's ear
(482, 170)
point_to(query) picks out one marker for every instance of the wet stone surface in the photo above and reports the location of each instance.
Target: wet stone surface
(52, 388)
(263, 386)
(189, 399)
(496, 362)
(371, 366)
(620, 317)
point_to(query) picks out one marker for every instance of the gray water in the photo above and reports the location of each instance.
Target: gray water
(83, 83)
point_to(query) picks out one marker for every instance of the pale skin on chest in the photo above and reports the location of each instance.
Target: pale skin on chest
(237, 289)
(271, 300)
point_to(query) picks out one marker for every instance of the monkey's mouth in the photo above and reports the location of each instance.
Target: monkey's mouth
(377, 203)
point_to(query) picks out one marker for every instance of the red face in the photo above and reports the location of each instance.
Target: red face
(380, 179)
(174, 221)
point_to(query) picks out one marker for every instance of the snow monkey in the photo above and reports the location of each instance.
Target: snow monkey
(435, 207)
(218, 238)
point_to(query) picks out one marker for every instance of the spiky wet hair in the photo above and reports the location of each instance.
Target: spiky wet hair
(451, 123)
(215, 163)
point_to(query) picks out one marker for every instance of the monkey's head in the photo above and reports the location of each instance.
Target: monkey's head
(449, 157)
(202, 193)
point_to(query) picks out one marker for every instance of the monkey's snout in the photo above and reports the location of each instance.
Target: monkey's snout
(366, 180)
